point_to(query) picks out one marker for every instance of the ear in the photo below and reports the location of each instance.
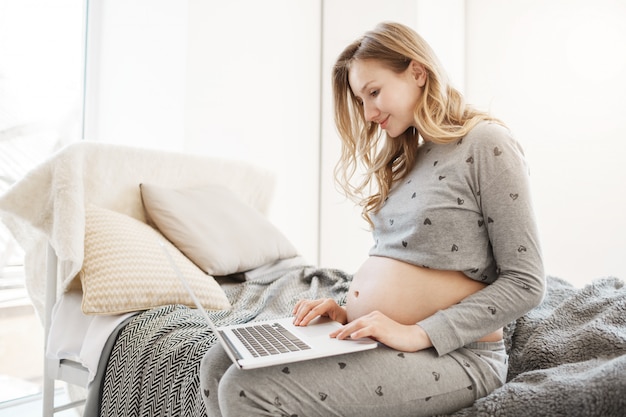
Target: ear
(419, 72)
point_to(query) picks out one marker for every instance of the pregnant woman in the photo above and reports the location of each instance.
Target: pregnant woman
(456, 252)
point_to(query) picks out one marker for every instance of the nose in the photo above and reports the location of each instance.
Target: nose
(370, 111)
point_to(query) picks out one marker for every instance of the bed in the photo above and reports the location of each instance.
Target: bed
(118, 322)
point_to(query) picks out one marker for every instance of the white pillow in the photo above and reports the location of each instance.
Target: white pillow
(125, 268)
(214, 228)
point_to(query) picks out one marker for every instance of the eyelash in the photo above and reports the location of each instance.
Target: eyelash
(373, 93)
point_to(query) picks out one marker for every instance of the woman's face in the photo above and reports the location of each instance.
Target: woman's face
(388, 98)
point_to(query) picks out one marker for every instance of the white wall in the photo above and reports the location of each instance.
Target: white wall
(242, 79)
(236, 79)
(556, 73)
(136, 72)
(253, 93)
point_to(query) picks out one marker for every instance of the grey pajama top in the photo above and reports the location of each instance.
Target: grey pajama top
(466, 206)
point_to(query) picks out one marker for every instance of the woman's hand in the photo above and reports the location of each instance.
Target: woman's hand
(403, 337)
(307, 310)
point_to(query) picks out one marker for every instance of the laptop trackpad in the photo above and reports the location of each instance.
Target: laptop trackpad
(321, 327)
(318, 327)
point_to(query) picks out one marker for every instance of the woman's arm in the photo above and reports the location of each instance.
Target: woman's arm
(502, 179)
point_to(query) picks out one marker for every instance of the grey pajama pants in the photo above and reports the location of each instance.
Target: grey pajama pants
(378, 382)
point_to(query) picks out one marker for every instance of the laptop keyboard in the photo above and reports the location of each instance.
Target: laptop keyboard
(269, 339)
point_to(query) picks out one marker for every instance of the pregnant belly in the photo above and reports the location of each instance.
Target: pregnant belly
(404, 292)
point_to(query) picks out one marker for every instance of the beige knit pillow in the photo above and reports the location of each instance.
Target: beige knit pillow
(125, 269)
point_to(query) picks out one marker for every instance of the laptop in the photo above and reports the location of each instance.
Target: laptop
(276, 341)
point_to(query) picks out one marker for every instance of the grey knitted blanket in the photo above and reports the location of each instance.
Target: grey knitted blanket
(567, 356)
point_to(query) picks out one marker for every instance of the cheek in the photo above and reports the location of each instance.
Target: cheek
(406, 98)
(417, 94)
(405, 104)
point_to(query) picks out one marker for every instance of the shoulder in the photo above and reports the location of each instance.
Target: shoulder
(486, 134)
(493, 141)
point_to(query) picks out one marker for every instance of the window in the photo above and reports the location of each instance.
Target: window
(41, 84)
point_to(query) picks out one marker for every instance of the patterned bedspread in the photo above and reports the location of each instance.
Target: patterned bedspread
(154, 364)
(567, 356)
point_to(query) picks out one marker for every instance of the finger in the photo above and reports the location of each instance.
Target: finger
(362, 332)
(356, 330)
(298, 306)
(334, 333)
(303, 310)
(346, 331)
(317, 308)
(310, 315)
(304, 305)
(299, 312)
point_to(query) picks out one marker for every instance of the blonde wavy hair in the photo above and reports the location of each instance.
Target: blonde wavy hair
(441, 115)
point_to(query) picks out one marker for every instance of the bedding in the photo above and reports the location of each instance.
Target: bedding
(50, 212)
(153, 366)
(125, 270)
(215, 229)
(46, 208)
(567, 356)
(83, 340)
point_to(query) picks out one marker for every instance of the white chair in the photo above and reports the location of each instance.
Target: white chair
(64, 370)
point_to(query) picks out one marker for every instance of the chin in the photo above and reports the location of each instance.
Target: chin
(394, 134)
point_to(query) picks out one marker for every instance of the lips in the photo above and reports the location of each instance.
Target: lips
(383, 124)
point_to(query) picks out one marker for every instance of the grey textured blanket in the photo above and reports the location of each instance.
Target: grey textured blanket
(567, 356)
